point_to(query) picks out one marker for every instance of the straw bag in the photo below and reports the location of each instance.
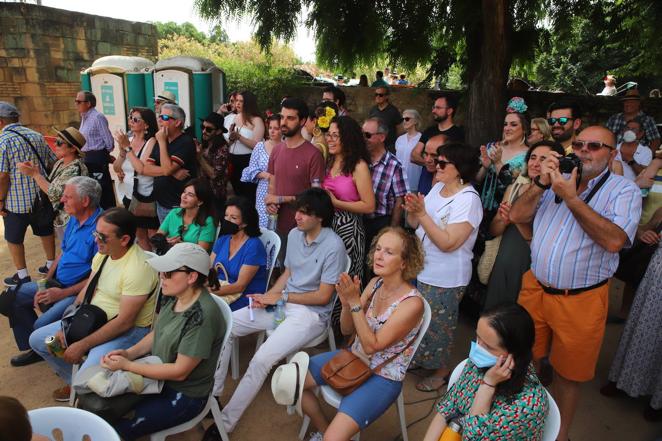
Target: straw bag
(230, 298)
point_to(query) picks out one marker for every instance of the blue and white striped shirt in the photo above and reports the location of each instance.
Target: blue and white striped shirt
(94, 127)
(563, 255)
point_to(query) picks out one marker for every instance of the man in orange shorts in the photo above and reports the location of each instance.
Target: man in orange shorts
(581, 220)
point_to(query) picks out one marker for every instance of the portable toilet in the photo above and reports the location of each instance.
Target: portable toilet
(197, 83)
(119, 83)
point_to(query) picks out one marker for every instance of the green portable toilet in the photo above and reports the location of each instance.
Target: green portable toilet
(197, 83)
(119, 83)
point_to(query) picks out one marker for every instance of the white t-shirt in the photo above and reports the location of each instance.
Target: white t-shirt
(237, 147)
(403, 147)
(450, 269)
(642, 156)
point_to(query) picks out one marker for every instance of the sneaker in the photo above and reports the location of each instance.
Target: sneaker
(14, 280)
(43, 270)
(62, 394)
(317, 436)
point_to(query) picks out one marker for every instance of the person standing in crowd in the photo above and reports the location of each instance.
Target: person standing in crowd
(98, 145)
(363, 80)
(165, 97)
(446, 221)
(19, 193)
(228, 108)
(257, 173)
(246, 130)
(138, 187)
(294, 165)
(68, 274)
(215, 158)
(389, 114)
(379, 80)
(314, 260)
(503, 161)
(193, 221)
(578, 230)
(514, 256)
(428, 176)
(443, 113)
(337, 96)
(241, 252)
(68, 147)
(632, 154)
(539, 131)
(406, 143)
(565, 118)
(631, 109)
(124, 291)
(388, 181)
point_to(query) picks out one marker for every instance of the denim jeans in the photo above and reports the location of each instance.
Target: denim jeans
(24, 320)
(61, 367)
(162, 212)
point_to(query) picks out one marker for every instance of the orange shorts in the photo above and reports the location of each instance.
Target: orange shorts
(569, 329)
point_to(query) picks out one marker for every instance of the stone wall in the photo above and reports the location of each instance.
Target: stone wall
(43, 50)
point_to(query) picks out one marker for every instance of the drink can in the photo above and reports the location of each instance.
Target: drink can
(54, 347)
(644, 192)
(41, 284)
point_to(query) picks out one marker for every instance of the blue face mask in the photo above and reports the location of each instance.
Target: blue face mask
(481, 357)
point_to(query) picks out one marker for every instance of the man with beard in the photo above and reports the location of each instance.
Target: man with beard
(578, 231)
(565, 118)
(214, 156)
(443, 112)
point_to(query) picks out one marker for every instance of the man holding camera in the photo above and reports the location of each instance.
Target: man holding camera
(580, 223)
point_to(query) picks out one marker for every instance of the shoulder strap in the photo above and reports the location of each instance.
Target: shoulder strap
(597, 186)
(34, 150)
(93, 283)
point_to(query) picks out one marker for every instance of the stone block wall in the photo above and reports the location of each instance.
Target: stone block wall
(43, 50)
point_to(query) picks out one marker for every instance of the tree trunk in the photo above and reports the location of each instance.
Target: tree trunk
(490, 56)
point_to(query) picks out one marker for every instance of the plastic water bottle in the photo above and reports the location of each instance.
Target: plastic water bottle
(452, 432)
(279, 313)
(316, 183)
(273, 222)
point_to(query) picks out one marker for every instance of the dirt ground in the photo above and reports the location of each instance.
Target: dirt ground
(598, 418)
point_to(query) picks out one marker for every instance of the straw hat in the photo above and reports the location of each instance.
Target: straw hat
(73, 137)
(288, 380)
(632, 94)
(167, 96)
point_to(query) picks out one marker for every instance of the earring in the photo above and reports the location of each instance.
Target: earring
(461, 181)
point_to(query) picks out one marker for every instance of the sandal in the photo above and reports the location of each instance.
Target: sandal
(432, 383)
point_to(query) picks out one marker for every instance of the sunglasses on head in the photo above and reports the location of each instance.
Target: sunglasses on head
(381, 95)
(163, 117)
(207, 129)
(100, 236)
(168, 274)
(562, 120)
(441, 163)
(591, 145)
(135, 119)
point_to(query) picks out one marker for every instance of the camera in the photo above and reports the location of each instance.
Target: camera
(569, 162)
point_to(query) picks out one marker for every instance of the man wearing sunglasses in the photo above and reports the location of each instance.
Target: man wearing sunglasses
(564, 117)
(124, 291)
(389, 114)
(574, 253)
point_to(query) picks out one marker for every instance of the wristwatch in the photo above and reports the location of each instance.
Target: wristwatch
(128, 149)
(284, 296)
(536, 181)
(356, 308)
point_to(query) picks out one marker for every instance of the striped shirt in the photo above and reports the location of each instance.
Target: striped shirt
(94, 127)
(388, 182)
(13, 149)
(563, 255)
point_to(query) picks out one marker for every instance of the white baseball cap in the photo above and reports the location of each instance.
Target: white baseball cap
(288, 380)
(182, 254)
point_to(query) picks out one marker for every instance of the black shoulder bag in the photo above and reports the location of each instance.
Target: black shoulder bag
(79, 321)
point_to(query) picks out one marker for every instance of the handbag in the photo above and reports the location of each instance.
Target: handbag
(142, 209)
(230, 298)
(7, 298)
(79, 321)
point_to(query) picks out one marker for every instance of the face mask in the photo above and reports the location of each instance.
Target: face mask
(629, 136)
(481, 357)
(228, 227)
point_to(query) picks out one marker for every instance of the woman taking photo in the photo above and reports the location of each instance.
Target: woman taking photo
(68, 147)
(246, 130)
(386, 319)
(349, 184)
(192, 221)
(514, 256)
(134, 152)
(446, 221)
(498, 395)
(406, 143)
(241, 253)
(256, 172)
(187, 337)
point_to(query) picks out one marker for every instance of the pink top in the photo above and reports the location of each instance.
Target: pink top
(342, 187)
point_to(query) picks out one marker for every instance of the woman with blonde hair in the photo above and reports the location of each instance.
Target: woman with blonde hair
(406, 143)
(540, 131)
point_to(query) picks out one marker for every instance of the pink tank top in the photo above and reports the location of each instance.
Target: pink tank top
(342, 187)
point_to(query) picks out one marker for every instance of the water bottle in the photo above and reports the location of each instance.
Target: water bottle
(452, 432)
(273, 222)
(316, 183)
(644, 192)
(279, 313)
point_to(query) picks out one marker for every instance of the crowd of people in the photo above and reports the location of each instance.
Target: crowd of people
(378, 214)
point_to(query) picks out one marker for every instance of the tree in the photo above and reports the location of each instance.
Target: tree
(171, 29)
(218, 35)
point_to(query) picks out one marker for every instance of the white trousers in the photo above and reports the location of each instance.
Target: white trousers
(300, 326)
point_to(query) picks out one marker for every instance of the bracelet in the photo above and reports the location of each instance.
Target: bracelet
(487, 384)
(536, 181)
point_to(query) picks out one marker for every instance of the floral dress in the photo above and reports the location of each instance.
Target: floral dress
(494, 186)
(58, 177)
(258, 163)
(512, 417)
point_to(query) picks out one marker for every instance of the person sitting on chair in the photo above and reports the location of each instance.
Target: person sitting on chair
(498, 395)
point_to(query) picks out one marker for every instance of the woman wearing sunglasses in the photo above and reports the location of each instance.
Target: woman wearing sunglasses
(406, 143)
(446, 221)
(187, 337)
(135, 148)
(68, 147)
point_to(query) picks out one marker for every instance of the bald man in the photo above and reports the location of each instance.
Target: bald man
(430, 155)
(578, 230)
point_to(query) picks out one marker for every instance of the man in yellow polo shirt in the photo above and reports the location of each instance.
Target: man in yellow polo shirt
(124, 291)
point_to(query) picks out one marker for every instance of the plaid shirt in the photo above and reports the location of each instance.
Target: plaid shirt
(94, 127)
(617, 122)
(388, 182)
(14, 149)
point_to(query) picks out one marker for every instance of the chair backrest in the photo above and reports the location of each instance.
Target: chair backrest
(427, 316)
(157, 293)
(271, 242)
(552, 420)
(226, 312)
(74, 424)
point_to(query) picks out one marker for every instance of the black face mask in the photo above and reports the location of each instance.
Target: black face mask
(228, 227)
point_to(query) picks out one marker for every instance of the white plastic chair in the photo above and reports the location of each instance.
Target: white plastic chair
(552, 420)
(212, 402)
(333, 398)
(74, 424)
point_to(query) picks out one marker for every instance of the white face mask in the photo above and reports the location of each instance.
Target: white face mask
(629, 136)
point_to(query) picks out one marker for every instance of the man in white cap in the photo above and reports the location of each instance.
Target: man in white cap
(18, 193)
(165, 97)
(632, 109)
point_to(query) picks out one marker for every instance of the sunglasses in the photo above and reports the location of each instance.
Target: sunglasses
(80, 101)
(135, 119)
(100, 236)
(562, 120)
(168, 274)
(368, 135)
(207, 129)
(381, 95)
(163, 117)
(182, 230)
(593, 146)
(60, 143)
(406, 118)
(441, 163)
